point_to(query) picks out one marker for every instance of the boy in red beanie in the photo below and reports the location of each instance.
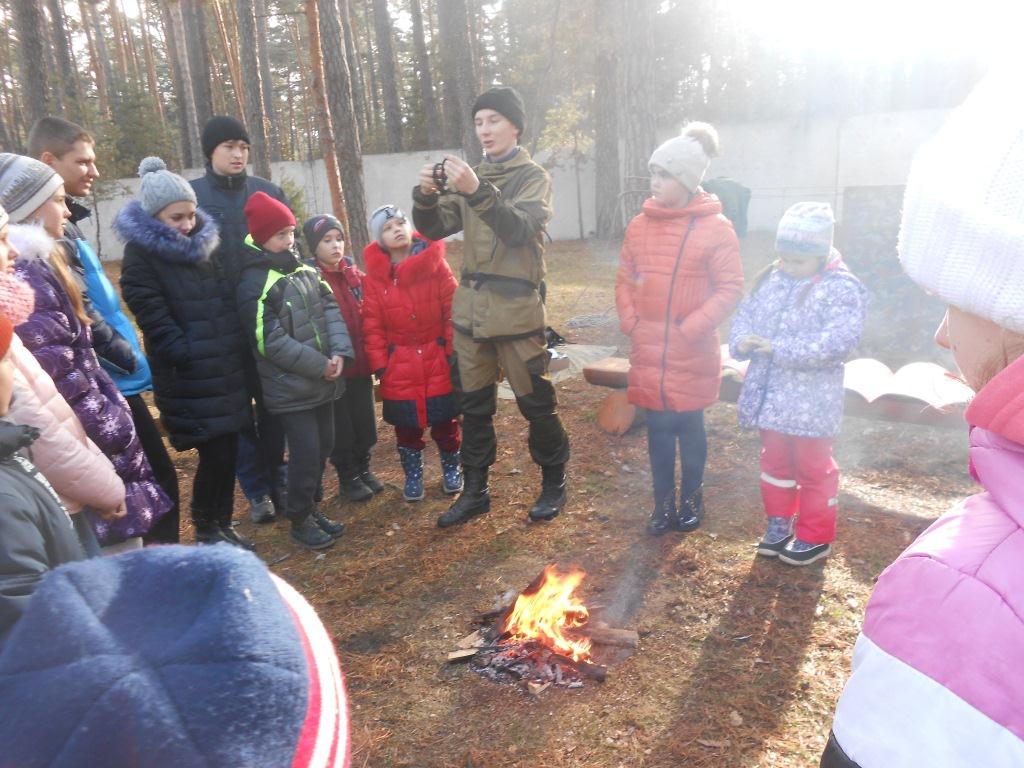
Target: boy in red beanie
(300, 342)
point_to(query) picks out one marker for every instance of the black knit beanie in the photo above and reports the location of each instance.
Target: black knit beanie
(505, 101)
(220, 129)
(314, 229)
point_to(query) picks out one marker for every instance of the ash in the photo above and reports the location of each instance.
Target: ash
(528, 662)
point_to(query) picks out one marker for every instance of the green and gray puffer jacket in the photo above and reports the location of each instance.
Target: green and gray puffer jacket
(293, 323)
(503, 224)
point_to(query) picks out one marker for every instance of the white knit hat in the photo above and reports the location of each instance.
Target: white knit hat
(962, 236)
(160, 187)
(687, 157)
(807, 229)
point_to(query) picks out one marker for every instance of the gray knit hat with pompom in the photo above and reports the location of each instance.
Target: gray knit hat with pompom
(160, 187)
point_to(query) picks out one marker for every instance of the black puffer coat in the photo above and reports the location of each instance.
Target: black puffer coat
(189, 323)
(36, 533)
(294, 327)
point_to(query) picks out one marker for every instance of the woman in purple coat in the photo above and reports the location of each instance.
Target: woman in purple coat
(58, 335)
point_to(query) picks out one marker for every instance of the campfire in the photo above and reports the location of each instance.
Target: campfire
(545, 637)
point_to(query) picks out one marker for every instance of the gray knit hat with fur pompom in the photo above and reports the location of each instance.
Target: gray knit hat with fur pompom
(160, 187)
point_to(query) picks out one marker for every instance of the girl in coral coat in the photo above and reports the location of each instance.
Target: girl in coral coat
(407, 325)
(679, 277)
(800, 323)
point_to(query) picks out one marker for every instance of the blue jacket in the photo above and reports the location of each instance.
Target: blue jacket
(106, 301)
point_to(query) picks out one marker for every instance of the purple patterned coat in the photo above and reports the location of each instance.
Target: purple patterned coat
(813, 325)
(63, 347)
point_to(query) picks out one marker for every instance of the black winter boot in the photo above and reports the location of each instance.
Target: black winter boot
(553, 494)
(369, 479)
(228, 533)
(475, 498)
(332, 528)
(691, 511)
(664, 517)
(354, 489)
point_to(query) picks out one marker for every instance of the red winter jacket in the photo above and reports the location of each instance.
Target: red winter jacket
(679, 277)
(347, 284)
(407, 327)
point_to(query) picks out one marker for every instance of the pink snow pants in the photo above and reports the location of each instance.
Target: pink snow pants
(800, 477)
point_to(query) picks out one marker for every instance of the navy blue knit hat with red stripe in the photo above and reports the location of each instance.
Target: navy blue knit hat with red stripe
(171, 656)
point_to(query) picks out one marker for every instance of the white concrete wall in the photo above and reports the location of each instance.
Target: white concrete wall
(782, 163)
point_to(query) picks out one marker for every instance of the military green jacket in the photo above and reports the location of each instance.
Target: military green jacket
(503, 225)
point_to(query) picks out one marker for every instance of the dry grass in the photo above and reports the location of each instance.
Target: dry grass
(741, 660)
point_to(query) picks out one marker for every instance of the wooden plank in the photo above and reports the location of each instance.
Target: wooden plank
(463, 654)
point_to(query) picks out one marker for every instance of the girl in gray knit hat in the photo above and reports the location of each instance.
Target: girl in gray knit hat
(192, 336)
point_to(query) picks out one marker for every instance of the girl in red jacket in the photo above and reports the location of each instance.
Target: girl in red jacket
(355, 421)
(407, 326)
(679, 277)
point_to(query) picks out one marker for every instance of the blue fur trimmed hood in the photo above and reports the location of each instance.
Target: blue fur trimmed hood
(134, 225)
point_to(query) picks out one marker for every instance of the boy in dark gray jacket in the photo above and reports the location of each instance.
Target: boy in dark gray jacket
(300, 340)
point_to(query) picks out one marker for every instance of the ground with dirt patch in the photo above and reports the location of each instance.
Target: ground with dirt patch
(741, 659)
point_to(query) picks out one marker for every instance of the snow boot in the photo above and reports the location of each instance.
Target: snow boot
(412, 464)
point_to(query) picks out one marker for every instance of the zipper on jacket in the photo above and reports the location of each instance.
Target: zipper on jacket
(668, 310)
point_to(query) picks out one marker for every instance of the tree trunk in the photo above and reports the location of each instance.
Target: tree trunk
(119, 44)
(177, 80)
(637, 99)
(430, 114)
(99, 39)
(28, 21)
(194, 17)
(230, 56)
(267, 82)
(254, 117)
(187, 94)
(303, 91)
(323, 113)
(355, 69)
(147, 44)
(373, 107)
(389, 84)
(68, 73)
(98, 70)
(338, 79)
(457, 67)
(131, 47)
(608, 217)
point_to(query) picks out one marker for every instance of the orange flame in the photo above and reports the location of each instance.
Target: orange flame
(545, 609)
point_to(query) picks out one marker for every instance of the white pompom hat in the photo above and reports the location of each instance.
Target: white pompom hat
(962, 235)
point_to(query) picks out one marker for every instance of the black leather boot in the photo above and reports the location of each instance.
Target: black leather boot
(553, 494)
(475, 498)
(664, 517)
(691, 511)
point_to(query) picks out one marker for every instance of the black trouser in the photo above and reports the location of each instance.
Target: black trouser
(166, 530)
(310, 442)
(355, 428)
(548, 443)
(260, 464)
(664, 430)
(213, 489)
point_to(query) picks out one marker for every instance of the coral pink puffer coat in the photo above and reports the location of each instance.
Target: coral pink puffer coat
(407, 327)
(679, 277)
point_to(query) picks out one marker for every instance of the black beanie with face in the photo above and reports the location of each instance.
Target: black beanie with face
(505, 101)
(220, 129)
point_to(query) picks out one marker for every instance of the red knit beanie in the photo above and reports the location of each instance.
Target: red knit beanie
(6, 333)
(266, 217)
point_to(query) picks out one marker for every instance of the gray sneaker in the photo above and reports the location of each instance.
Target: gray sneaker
(804, 553)
(776, 536)
(262, 510)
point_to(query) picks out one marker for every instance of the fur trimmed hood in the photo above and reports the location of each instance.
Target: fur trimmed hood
(134, 225)
(32, 242)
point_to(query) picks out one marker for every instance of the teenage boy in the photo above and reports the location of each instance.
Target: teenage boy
(223, 193)
(71, 151)
(502, 206)
(301, 345)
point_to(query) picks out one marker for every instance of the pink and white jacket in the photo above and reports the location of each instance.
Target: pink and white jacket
(938, 670)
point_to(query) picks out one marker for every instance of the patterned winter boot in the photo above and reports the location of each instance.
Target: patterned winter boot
(451, 470)
(412, 464)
